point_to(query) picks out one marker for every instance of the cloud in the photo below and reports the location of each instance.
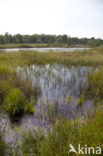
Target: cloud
(73, 17)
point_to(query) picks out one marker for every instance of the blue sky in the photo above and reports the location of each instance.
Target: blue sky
(81, 18)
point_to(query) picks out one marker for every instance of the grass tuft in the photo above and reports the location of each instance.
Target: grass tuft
(16, 105)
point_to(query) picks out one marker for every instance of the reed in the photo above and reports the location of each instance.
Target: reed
(19, 96)
(57, 140)
(92, 57)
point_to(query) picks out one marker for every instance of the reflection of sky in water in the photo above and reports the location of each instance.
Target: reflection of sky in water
(57, 83)
(45, 49)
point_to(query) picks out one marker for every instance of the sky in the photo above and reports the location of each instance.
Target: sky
(76, 18)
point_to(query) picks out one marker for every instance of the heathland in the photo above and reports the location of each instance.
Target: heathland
(19, 96)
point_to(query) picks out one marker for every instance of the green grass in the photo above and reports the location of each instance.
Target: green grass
(15, 98)
(2, 147)
(23, 45)
(95, 85)
(56, 141)
(39, 45)
(80, 101)
(15, 94)
(91, 57)
(16, 104)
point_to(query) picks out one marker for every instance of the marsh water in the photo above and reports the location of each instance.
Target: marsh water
(60, 90)
(59, 49)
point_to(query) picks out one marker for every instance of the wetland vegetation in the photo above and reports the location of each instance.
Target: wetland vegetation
(50, 100)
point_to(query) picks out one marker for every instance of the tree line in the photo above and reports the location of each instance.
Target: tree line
(49, 39)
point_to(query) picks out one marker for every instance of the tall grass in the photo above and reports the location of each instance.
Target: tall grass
(57, 140)
(15, 94)
(15, 104)
(15, 98)
(2, 147)
(95, 85)
(90, 57)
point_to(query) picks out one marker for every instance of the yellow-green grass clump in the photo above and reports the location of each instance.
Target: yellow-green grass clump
(16, 104)
(15, 94)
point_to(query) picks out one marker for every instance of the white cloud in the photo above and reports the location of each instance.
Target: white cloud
(73, 17)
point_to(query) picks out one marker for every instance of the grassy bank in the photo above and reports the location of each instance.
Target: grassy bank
(23, 45)
(39, 45)
(91, 57)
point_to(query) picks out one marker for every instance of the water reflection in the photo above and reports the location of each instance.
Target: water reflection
(61, 88)
(44, 49)
(57, 83)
